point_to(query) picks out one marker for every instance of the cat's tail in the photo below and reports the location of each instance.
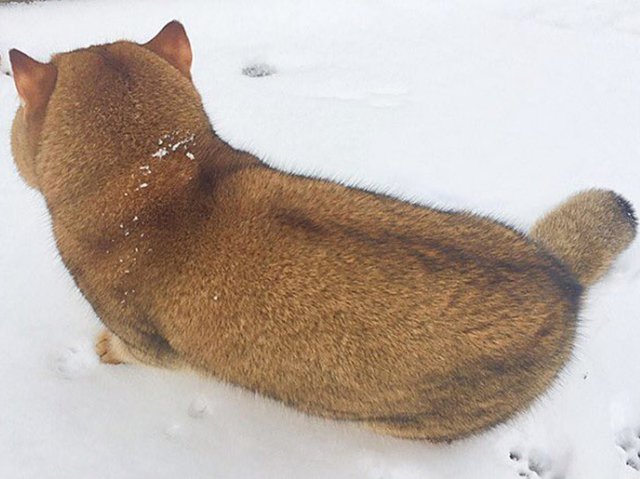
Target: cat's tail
(587, 232)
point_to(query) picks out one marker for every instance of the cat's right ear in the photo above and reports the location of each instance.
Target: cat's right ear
(173, 45)
(34, 80)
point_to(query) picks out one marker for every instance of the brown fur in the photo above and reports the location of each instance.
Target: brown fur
(418, 322)
(587, 232)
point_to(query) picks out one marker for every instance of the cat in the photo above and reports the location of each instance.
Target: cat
(417, 322)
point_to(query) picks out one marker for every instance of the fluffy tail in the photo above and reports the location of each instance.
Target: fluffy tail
(587, 232)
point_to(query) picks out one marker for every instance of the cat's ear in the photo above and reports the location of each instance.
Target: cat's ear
(34, 81)
(173, 45)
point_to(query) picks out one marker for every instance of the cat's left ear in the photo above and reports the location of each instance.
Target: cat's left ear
(173, 45)
(34, 80)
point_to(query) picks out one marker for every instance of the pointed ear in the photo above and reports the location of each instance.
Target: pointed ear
(34, 81)
(173, 45)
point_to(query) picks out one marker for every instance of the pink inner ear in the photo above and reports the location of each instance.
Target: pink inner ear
(173, 45)
(34, 80)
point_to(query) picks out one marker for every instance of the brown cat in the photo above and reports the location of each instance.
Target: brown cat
(417, 322)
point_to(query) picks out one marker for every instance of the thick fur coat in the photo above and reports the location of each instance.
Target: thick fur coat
(417, 322)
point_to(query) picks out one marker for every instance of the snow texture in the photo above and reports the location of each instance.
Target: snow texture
(500, 107)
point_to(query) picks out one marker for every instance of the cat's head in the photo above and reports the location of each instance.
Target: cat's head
(87, 102)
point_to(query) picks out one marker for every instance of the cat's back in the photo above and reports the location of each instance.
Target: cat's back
(461, 295)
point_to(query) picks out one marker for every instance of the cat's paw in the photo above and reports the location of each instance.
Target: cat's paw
(110, 349)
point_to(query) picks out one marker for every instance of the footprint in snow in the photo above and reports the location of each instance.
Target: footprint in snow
(198, 408)
(625, 426)
(75, 361)
(628, 441)
(533, 464)
(258, 70)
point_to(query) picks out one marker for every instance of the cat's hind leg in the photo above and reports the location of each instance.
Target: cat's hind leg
(139, 348)
(112, 350)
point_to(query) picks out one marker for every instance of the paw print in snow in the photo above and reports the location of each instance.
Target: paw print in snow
(533, 465)
(628, 441)
(258, 70)
(75, 361)
(198, 408)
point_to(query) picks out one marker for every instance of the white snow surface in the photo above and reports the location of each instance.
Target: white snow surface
(497, 106)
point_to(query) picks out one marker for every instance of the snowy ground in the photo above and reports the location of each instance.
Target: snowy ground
(499, 106)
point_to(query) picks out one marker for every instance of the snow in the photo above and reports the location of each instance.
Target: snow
(501, 107)
(161, 153)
